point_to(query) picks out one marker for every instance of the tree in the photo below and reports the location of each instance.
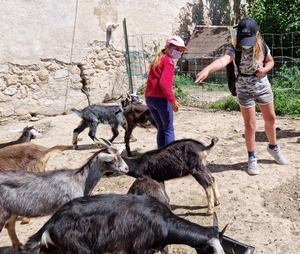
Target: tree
(278, 17)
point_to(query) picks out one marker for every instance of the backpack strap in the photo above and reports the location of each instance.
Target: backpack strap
(237, 59)
(265, 50)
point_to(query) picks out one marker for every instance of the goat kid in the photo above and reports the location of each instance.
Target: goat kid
(148, 186)
(179, 158)
(28, 133)
(115, 223)
(95, 114)
(136, 115)
(35, 194)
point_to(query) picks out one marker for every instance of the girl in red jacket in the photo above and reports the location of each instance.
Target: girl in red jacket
(159, 93)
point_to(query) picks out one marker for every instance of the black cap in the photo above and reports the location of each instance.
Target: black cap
(246, 32)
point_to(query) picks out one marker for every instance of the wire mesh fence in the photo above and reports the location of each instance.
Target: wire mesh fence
(143, 48)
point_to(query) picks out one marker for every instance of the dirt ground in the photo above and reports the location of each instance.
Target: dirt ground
(262, 211)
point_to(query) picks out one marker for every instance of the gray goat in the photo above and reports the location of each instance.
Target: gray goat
(115, 223)
(35, 194)
(28, 133)
(95, 114)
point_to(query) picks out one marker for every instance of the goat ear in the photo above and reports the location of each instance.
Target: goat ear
(121, 148)
(16, 131)
(216, 245)
(35, 133)
(106, 157)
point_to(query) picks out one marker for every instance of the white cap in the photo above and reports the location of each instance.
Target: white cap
(177, 41)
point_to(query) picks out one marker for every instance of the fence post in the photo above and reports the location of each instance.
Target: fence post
(127, 56)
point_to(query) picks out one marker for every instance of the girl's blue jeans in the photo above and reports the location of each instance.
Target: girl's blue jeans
(163, 115)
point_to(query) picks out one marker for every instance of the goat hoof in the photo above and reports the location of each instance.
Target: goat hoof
(209, 212)
(75, 147)
(217, 203)
(18, 246)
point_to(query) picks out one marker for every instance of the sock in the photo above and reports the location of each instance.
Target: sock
(273, 146)
(251, 154)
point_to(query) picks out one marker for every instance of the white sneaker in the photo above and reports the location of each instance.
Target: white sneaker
(252, 166)
(277, 155)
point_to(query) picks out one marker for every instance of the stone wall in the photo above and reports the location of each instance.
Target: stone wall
(50, 50)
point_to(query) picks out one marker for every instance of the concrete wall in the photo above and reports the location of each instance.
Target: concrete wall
(48, 48)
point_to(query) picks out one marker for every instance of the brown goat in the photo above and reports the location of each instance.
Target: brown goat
(148, 186)
(27, 156)
(136, 115)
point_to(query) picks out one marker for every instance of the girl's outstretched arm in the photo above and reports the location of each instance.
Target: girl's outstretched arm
(214, 66)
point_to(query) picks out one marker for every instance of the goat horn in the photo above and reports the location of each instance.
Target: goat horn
(104, 144)
(107, 142)
(16, 131)
(224, 229)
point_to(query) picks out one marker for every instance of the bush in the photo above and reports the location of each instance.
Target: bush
(286, 88)
(227, 103)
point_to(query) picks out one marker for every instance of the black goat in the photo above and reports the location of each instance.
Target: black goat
(179, 158)
(127, 224)
(95, 114)
(35, 194)
(28, 133)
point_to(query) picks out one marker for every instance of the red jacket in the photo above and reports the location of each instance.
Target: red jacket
(160, 80)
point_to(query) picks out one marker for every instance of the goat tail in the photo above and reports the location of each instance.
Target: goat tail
(58, 148)
(214, 141)
(36, 241)
(77, 112)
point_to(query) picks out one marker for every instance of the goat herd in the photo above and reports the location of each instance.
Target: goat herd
(136, 223)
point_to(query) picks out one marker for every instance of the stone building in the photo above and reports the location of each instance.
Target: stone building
(51, 50)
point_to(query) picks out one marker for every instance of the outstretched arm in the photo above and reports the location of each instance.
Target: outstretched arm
(214, 66)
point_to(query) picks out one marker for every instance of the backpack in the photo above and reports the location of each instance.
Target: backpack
(231, 78)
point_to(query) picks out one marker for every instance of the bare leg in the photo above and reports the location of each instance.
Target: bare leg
(269, 116)
(250, 127)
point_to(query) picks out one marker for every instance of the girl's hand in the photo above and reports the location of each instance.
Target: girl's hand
(201, 76)
(175, 106)
(259, 72)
